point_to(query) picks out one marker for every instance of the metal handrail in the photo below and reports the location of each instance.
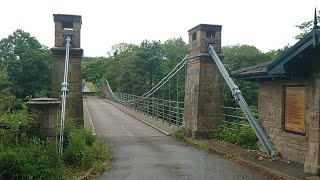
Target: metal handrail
(155, 107)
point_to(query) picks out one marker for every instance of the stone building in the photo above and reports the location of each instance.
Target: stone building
(289, 100)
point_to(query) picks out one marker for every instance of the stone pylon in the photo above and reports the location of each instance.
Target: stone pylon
(68, 25)
(204, 82)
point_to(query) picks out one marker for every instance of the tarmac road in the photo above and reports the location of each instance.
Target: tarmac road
(143, 153)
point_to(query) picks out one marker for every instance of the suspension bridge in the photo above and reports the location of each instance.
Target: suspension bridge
(142, 150)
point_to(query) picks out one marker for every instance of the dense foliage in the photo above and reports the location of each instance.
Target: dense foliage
(26, 64)
(135, 68)
(24, 154)
(25, 71)
(240, 56)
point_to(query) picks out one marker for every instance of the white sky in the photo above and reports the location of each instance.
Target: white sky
(266, 24)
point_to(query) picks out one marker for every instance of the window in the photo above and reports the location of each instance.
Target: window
(67, 25)
(194, 36)
(210, 34)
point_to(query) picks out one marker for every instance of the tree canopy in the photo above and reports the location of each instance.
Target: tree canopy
(25, 65)
(135, 68)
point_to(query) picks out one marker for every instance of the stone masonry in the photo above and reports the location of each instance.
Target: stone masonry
(45, 111)
(204, 83)
(68, 25)
(300, 148)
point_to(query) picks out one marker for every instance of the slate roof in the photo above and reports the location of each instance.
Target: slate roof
(288, 64)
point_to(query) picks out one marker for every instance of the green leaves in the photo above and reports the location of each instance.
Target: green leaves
(135, 68)
(241, 56)
(27, 63)
(305, 27)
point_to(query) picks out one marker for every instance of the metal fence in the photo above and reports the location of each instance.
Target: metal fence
(234, 118)
(166, 110)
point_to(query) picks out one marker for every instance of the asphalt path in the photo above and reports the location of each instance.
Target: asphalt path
(143, 153)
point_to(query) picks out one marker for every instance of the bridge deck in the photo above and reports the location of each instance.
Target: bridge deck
(144, 153)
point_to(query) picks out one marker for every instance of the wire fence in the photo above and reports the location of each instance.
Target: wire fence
(234, 117)
(161, 109)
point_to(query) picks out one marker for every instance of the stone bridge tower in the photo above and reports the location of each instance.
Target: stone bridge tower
(204, 83)
(68, 25)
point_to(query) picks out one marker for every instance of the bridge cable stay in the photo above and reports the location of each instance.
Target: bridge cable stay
(158, 86)
(168, 110)
(64, 90)
(173, 72)
(236, 93)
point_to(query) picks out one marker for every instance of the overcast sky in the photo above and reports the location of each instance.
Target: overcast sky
(266, 24)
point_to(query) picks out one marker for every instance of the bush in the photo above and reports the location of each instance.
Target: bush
(78, 146)
(244, 137)
(24, 155)
(83, 149)
(19, 126)
(36, 159)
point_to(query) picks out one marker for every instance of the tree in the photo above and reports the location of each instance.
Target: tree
(241, 56)
(28, 64)
(306, 27)
(274, 54)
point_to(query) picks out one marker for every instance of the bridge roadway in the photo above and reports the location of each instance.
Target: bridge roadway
(143, 153)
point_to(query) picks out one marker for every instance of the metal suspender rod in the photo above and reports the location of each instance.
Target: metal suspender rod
(236, 93)
(64, 91)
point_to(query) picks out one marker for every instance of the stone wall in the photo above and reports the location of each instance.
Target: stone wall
(203, 97)
(204, 84)
(74, 106)
(68, 25)
(291, 146)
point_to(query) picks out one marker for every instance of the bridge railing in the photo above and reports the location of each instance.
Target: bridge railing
(234, 118)
(161, 109)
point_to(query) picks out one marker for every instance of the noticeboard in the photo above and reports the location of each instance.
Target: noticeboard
(294, 111)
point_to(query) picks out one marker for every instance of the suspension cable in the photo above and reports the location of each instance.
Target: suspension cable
(175, 70)
(155, 88)
(64, 90)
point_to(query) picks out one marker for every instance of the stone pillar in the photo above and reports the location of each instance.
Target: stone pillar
(204, 83)
(68, 25)
(106, 91)
(312, 157)
(45, 111)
